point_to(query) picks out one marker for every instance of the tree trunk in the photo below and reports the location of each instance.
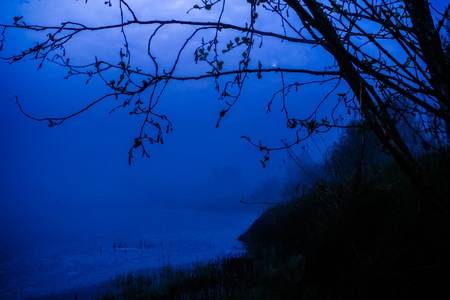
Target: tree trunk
(433, 54)
(380, 121)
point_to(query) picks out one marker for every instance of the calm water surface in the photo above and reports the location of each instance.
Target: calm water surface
(59, 252)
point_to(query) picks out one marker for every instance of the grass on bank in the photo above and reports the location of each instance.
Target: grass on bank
(375, 240)
(238, 277)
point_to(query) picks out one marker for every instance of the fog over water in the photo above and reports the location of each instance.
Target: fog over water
(67, 191)
(75, 254)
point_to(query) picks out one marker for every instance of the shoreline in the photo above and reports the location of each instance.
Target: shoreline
(96, 291)
(86, 292)
(53, 268)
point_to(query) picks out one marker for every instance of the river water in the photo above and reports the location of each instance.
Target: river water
(70, 250)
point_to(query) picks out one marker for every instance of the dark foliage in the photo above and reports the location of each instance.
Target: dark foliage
(374, 238)
(378, 240)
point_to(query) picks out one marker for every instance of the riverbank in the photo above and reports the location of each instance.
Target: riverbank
(227, 277)
(377, 239)
(99, 290)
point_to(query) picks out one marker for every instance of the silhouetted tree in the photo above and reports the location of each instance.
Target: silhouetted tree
(389, 54)
(356, 150)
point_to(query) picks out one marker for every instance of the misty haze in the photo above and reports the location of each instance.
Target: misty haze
(224, 149)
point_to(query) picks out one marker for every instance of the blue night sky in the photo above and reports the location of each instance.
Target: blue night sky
(83, 163)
